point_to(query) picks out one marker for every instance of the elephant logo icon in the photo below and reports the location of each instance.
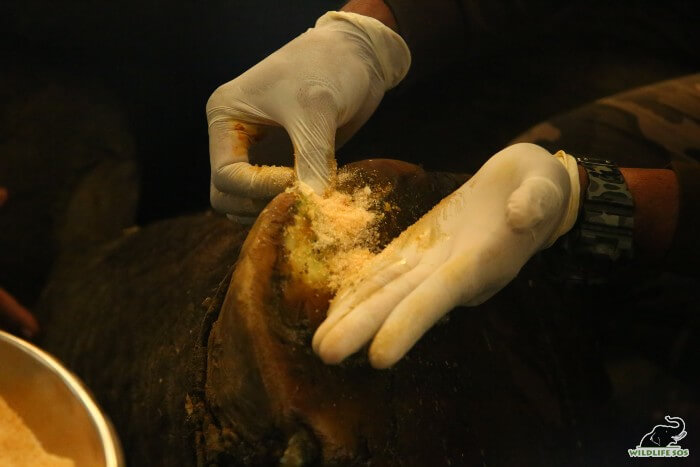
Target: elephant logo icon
(667, 435)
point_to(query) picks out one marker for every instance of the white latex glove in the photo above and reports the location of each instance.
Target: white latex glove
(331, 78)
(462, 252)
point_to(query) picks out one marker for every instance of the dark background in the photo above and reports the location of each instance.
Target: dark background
(161, 61)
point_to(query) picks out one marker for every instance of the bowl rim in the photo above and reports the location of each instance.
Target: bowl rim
(107, 434)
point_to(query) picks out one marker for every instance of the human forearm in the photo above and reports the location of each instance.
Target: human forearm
(376, 9)
(656, 202)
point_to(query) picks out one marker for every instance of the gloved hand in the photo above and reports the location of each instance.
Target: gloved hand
(331, 78)
(462, 252)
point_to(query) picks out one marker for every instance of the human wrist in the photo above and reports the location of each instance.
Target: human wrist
(655, 195)
(583, 184)
(656, 200)
(376, 9)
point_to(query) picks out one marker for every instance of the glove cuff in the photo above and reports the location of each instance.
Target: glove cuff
(569, 218)
(390, 50)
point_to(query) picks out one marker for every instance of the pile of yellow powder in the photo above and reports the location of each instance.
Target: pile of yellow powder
(332, 236)
(18, 445)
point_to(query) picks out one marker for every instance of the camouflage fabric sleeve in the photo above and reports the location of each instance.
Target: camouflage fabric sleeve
(654, 126)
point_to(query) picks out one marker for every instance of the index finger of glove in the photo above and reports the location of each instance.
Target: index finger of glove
(376, 280)
(420, 310)
(229, 143)
(359, 325)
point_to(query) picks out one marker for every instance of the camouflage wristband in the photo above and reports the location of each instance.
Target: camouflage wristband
(606, 220)
(595, 250)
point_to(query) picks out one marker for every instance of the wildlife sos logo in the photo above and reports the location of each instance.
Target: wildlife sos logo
(662, 440)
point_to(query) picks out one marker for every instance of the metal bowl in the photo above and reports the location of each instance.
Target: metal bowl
(55, 405)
